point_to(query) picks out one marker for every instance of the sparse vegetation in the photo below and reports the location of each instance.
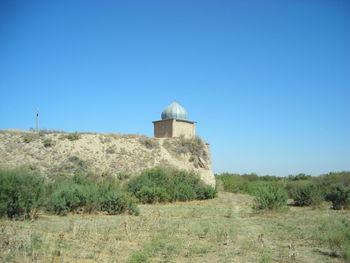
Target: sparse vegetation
(30, 137)
(335, 233)
(110, 150)
(123, 176)
(194, 146)
(150, 143)
(73, 136)
(99, 153)
(43, 132)
(187, 232)
(245, 184)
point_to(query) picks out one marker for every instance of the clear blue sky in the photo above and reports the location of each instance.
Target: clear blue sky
(267, 81)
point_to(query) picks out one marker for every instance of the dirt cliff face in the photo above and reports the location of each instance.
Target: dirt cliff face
(101, 153)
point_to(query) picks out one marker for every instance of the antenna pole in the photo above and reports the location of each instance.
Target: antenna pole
(37, 120)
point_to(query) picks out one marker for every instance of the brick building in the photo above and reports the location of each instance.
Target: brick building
(174, 123)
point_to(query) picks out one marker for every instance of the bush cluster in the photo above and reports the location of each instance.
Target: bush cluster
(246, 183)
(168, 185)
(73, 196)
(79, 194)
(118, 203)
(270, 197)
(307, 195)
(339, 195)
(305, 190)
(149, 195)
(21, 193)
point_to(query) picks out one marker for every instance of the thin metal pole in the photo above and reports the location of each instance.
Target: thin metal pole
(37, 120)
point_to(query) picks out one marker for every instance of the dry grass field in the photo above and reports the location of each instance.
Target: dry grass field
(224, 229)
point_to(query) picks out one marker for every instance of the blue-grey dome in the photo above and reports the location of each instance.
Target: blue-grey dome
(174, 111)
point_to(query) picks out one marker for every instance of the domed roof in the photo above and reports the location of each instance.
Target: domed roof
(174, 111)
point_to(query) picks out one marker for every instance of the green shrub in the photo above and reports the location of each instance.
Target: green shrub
(334, 178)
(245, 184)
(29, 137)
(184, 192)
(152, 195)
(73, 194)
(206, 192)
(162, 185)
(270, 197)
(88, 194)
(231, 182)
(133, 209)
(117, 203)
(73, 136)
(139, 257)
(308, 195)
(48, 142)
(251, 177)
(339, 195)
(123, 176)
(63, 201)
(299, 177)
(292, 186)
(72, 197)
(20, 193)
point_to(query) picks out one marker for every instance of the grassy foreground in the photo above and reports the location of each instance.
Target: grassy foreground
(224, 229)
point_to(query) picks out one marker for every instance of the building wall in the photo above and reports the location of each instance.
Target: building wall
(174, 128)
(163, 128)
(183, 128)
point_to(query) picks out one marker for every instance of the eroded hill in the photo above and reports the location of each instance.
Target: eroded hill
(102, 153)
